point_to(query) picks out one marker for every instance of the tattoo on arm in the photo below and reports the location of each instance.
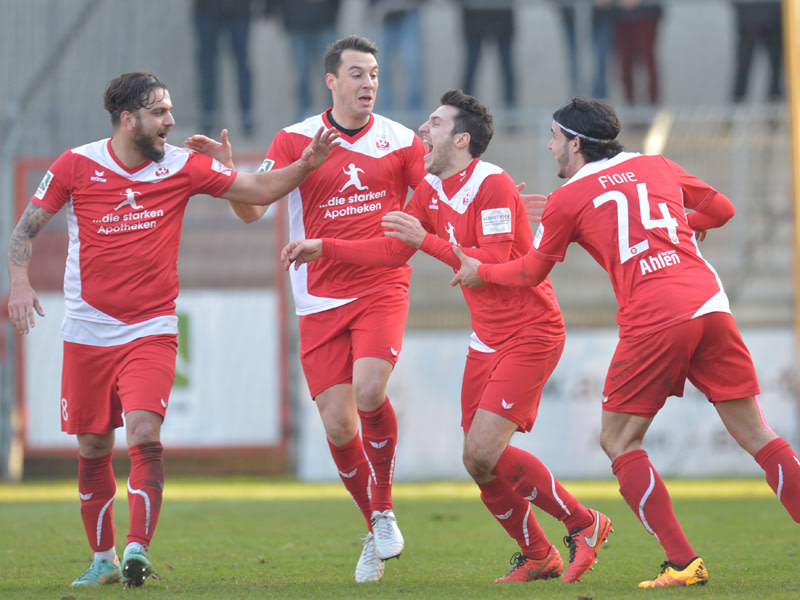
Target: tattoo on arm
(30, 224)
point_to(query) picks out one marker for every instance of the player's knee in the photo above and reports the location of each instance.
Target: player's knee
(478, 464)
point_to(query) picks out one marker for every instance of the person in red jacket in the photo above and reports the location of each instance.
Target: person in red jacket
(629, 211)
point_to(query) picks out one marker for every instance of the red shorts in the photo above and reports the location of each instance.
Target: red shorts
(509, 382)
(99, 384)
(331, 340)
(708, 351)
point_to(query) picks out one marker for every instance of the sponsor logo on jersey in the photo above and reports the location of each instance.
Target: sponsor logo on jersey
(363, 200)
(162, 171)
(43, 185)
(130, 199)
(99, 176)
(382, 144)
(451, 232)
(266, 166)
(220, 168)
(434, 205)
(656, 262)
(496, 220)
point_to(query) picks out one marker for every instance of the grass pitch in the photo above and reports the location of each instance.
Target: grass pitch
(234, 538)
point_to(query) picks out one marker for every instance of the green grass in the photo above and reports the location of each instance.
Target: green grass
(233, 538)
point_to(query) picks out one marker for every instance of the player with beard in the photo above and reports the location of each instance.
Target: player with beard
(517, 339)
(629, 211)
(125, 197)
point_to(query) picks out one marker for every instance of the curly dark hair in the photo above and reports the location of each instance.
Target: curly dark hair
(130, 92)
(472, 118)
(591, 118)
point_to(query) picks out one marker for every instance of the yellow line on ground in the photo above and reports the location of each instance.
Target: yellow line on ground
(179, 489)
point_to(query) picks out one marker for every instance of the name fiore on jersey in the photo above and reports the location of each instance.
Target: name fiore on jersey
(647, 264)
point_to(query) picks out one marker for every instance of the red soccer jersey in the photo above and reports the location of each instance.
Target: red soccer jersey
(125, 228)
(480, 210)
(365, 177)
(629, 213)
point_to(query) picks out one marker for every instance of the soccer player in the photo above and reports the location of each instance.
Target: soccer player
(125, 197)
(630, 213)
(517, 339)
(351, 317)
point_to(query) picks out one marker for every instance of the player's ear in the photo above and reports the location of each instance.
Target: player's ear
(462, 140)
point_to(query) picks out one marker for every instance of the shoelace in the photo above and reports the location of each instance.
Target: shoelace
(569, 542)
(517, 559)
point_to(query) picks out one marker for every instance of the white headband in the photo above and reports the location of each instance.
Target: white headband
(580, 135)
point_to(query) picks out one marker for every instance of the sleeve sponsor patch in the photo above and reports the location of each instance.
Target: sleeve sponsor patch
(45, 183)
(266, 166)
(220, 168)
(496, 220)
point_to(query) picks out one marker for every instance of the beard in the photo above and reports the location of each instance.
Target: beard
(146, 144)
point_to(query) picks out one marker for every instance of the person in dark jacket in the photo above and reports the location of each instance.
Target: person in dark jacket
(311, 27)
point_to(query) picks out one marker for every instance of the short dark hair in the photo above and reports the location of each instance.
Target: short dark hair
(472, 118)
(595, 123)
(333, 55)
(130, 91)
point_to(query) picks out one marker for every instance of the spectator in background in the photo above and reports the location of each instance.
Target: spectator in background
(401, 42)
(311, 26)
(635, 29)
(758, 23)
(486, 20)
(601, 23)
(212, 20)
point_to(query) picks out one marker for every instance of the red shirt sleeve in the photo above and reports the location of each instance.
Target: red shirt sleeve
(528, 271)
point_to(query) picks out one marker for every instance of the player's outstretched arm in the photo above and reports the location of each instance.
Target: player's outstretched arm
(270, 186)
(299, 252)
(23, 303)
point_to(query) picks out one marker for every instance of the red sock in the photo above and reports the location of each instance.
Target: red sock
(379, 429)
(97, 487)
(534, 482)
(145, 488)
(780, 463)
(646, 494)
(516, 516)
(354, 472)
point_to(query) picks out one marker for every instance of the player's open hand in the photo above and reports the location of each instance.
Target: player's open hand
(403, 227)
(701, 235)
(23, 305)
(320, 147)
(221, 150)
(467, 275)
(299, 252)
(534, 206)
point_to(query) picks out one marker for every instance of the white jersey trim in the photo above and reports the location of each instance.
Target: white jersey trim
(90, 333)
(461, 201)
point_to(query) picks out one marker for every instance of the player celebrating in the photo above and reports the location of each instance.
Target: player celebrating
(629, 212)
(125, 198)
(351, 317)
(517, 339)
